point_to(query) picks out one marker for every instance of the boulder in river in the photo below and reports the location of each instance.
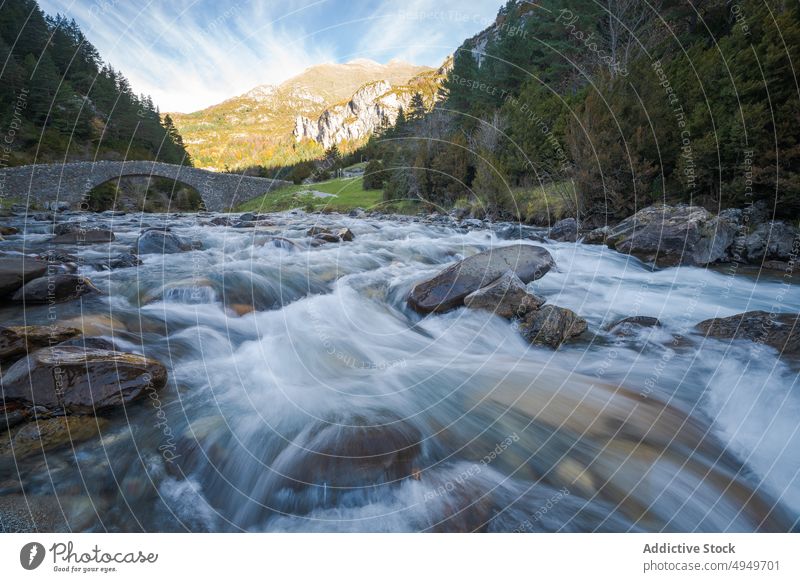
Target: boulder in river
(551, 326)
(598, 236)
(161, 241)
(448, 289)
(84, 237)
(55, 288)
(16, 270)
(565, 230)
(507, 297)
(675, 235)
(8, 230)
(121, 261)
(82, 380)
(520, 232)
(777, 330)
(630, 325)
(774, 240)
(18, 341)
(345, 234)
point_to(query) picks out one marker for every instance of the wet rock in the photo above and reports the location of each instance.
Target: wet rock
(160, 241)
(58, 288)
(345, 234)
(630, 325)
(520, 232)
(8, 230)
(221, 221)
(551, 326)
(597, 236)
(348, 455)
(16, 270)
(675, 235)
(97, 343)
(80, 380)
(448, 289)
(507, 297)
(471, 223)
(121, 261)
(774, 240)
(18, 341)
(780, 331)
(11, 415)
(326, 237)
(317, 230)
(43, 435)
(565, 230)
(84, 237)
(357, 213)
(57, 257)
(281, 243)
(248, 217)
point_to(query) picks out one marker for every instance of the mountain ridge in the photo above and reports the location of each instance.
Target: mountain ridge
(256, 127)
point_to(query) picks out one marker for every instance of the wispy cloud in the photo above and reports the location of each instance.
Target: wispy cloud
(189, 54)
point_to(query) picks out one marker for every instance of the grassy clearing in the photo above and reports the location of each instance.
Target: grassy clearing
(545, 204)
(349, 193)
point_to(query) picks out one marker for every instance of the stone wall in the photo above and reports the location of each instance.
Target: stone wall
(47, 183)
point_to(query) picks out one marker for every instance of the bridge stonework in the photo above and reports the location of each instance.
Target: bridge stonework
(71, 182)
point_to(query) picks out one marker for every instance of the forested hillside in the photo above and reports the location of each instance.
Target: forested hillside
(59, 100)
(599, 108)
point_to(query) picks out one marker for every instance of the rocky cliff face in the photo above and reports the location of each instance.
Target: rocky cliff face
(374, 105)
(371, 106)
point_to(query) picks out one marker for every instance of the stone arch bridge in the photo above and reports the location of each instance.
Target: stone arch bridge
(71, 182)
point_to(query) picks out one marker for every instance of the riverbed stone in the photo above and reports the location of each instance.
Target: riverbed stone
(55, 288)
(780, 330)
(551, 326)
(82, 380)
(448, 289)
(81, 237)
(161, 241)
(16, 270)
(17, 341)
(47, 434)
(775, 240)
(630, 325)
(507, 297)
(565, 230)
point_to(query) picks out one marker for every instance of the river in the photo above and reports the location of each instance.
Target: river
(304, 395)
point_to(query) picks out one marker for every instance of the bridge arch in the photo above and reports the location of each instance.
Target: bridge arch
(72, 182)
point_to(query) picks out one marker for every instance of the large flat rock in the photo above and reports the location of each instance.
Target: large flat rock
(448, 289)
(81, 380)
(15, 271)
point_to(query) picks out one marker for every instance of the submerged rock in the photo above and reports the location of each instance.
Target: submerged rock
(507, 297)
(448, 289)
(780, 330)
(121, 261)
(80, 380)
(16, 270)
(630, 325)
(55, 288)
(551, 326)
(46, 434)
(345, 234)
(161, 241)
(18, 341)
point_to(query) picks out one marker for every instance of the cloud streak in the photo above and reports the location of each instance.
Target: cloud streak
(189, 54)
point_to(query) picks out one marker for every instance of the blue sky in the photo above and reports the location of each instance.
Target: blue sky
(189, 54)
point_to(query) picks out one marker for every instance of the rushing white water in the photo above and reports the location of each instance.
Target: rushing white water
(305, 395)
